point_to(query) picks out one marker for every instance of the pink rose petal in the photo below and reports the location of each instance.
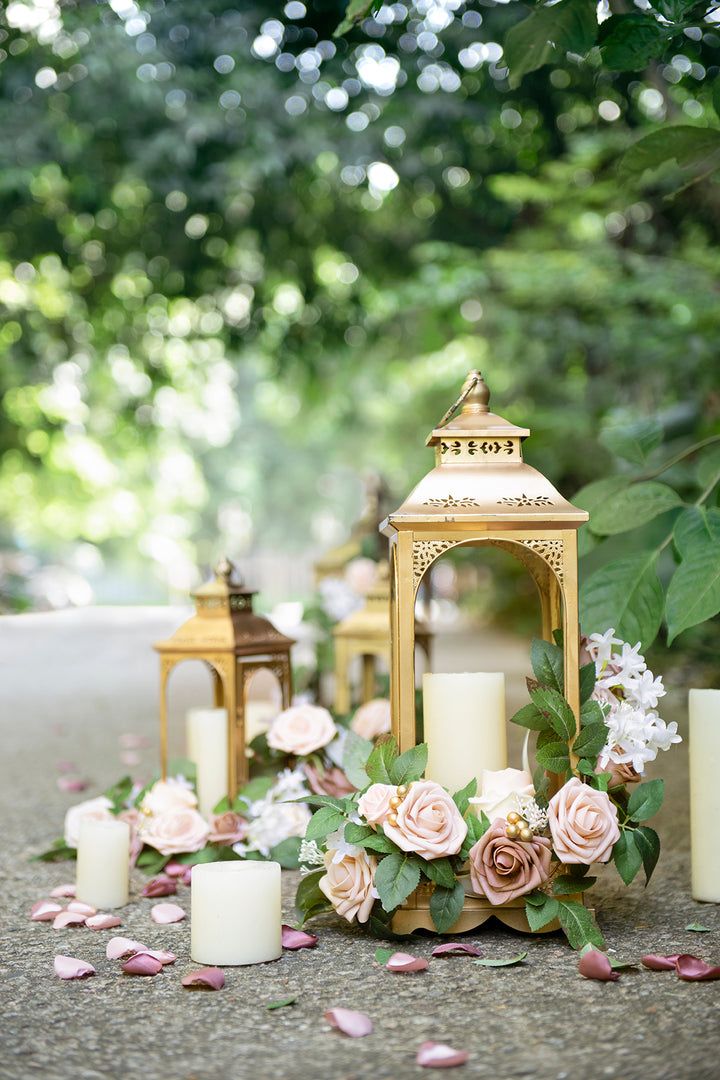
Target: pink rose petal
(404, 962)
(142, 964)
(693, 969)
(118, 947)
(71, 784)
(660, 963)
(354, 1024)
(103, 921)
(455, 948)
(68, 918)
(130, 758)
(160, 886)
(64, 890)
(66, 766)
(175, 870)
(163, 914)
(82, 909)
(595, 965)
(44, 911)
(432, 1055)
(297, 939)
(209, 978)
(130, 741)
(68, 967)
(187, 876)
(162, 955)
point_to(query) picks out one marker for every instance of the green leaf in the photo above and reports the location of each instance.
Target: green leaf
(626, 856)
(693, 148)
(119, 793)
(287, 853)
(625, 594)
(646, 800)
(591, 713)
(446, 906)
(501, 961)
(531, 717)
(698, 928)
(634, 506)
(222, 806)
(381, 760)
(356, 752)
(633, 441)
(253, 791)
(590, 741)
(695, 528)
(462, 798)
(383, 955)
(556, 709)
(694, 591)
(647, 842)
(440, 871)
(674, 10)
(57, 852)
(593, 496)
(565, 885)
(356, 834)
(578, 925)
(410, 765)
(630, 42)
(708, 467)
(547, 34)
(281, 1003)
(308, 893)
(396, 877)
(325, 820)
(547, 664)
(539, 915)
(379, 842)
(587, 682)
(553, 756)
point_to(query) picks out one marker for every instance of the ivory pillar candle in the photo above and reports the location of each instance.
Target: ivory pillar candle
(464, 716)
(207, 737)
(103, 863)
(705, 794)
(236, 913)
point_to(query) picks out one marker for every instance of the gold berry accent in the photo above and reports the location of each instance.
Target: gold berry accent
(512, 831)
(392, 818)
(395, 802)
(526, 834)
(402, 790)
(513, 817)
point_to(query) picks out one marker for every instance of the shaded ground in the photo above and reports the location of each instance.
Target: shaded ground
(96, 678)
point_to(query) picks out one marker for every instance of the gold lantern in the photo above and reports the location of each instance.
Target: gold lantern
(480, 493)
(366, 633)
(234, 642)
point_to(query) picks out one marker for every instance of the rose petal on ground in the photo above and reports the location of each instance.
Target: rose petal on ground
(103, 921)
(45, 911)
(66, 766)
(160, 886)
(455, 948)
(187, 876)
(82, 909)
(130, 741)
(163, 914)
(68, 918)
(595, 965)
(142, 964)
(71, 783)
(64, 890)
(432, 1055)
(354, 1024)
(162, 955)
(118, 947)
(401, 962)
(659, 963)
(68, 967)
(130, 758)
(693, 969)
(297, 939)
(175, 870)
(209, 978)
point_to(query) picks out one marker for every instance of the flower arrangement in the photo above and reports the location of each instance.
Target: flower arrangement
(365, 853)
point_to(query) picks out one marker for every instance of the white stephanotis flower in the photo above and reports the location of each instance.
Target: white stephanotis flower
(290, 784)
(277, 822)
(645, 690)
(600, 646)
(631, 662)
(339, 847)
(664, 735)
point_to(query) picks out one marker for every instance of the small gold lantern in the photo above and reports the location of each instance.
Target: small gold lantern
(480, 493)
(366, 633)
(234, 642)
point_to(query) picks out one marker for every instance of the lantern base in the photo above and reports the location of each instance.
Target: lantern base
(414, 914)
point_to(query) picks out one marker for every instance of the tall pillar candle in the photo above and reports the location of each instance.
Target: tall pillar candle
(103, 863)
(207, 732)
(705, 794)
(464, 717)
(236, 913)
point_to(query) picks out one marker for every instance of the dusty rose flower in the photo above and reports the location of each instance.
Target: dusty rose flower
(374, 805)
(361, 574)
(621, 773)
(227, 828)
(583, 823)
(167, 795)
(348, 883)
(134, 819)
(502, 869)
(428, 822)
(331, 781)
(301, 729)
(372, 719)
(92, 809)
(499, 788)
(176, 831)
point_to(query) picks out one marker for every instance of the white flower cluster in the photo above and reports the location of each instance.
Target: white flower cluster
(310, 856)
(629, 694)
(536, 817)
(274, 818)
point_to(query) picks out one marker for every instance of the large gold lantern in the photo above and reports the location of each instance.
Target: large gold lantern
(365, 633)
(480, 493)
(235, 643)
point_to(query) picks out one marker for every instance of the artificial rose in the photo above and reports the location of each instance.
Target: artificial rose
(301, 729)
(502, 869)
(499, 788)
(176, 831)
(621, 773)
(372, 719)
(227, 828)
(428, 822)
(167, 795)
(374, 805)
(361, 574)
(92, 809)
(332, 781)
(583, 823)
(348, 883)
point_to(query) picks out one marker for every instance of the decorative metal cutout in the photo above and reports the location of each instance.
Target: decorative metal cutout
(472, 447)
(551, 551)
(451, 503)
(525, 500)
(425, 552)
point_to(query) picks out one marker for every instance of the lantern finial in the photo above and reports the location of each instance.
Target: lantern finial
(475, 394)
(225, 571)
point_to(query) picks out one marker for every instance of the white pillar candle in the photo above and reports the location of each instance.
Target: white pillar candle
(464, 716)
(236, 915)
(207, 737)
(103, 863)
(705, 793)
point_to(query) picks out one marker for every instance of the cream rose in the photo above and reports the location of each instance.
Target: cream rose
(427, 822)
(372, 719)
(583, 823)
(167, 795)
(301, 729)
(93, 809)
(176, 831)
(499, 788)
(348, 883)
(374, 805)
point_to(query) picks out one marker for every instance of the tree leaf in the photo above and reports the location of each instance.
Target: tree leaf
(325, 820)
(630, 42)
(396, 877)
(440, 871)
(626, 856)
(693, 148)
(625, 594)
(547, 33)
(556, 709)
(355, 12)
(592, 496)
(590, 741)
(501, 961)
(634, 506)
(578, 925)
(356, 752)
(674, 10)
(539, 915)
(547, 664)
(647, 842)
(566, 885)
(633, 442)
(694, 591)
(446, 906)
(695, 528)
(587, 682)
(646, 800)
(531, 717)
(381, 760)
(553, 756)
(410, 765)
(708, 466)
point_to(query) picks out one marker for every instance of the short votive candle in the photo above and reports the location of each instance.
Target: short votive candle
(236, 915)
(103, 863)
(705, 794)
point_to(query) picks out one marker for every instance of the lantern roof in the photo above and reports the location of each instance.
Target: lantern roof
(371, 622)
(480, 475)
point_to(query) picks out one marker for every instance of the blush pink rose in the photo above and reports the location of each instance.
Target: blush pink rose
(348, 883)
(428, 822)
(372, 719)
(331, 781)
(622, 773)
(502, 869)
(167, 795)
(583, 823)
(374, 804)
(176, 831)
(301, 729)
(135, 820)
(228, 828)
(93, 810)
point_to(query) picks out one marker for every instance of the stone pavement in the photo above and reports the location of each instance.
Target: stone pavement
(70, 684)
